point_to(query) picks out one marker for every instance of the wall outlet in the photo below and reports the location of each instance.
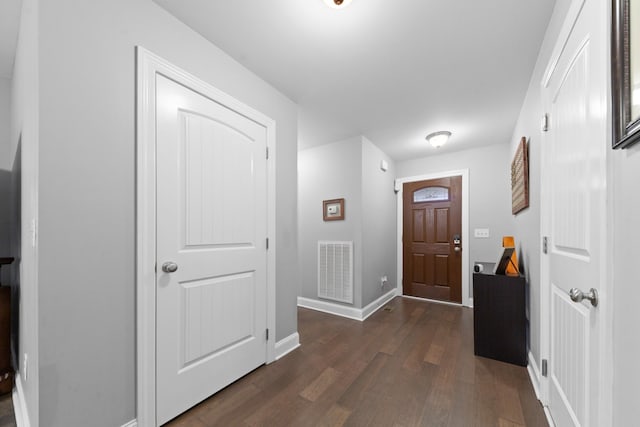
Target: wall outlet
(383, 281)
(25, 365)
(481, 233)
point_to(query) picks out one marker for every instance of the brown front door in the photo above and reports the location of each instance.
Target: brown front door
(432, 227)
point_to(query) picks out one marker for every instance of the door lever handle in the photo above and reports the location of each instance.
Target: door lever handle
(577, 296)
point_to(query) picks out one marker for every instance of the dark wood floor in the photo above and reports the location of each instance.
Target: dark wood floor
(409, 364)
(7, 419)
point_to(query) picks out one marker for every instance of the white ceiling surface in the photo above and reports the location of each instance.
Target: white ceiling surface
(9, 25)
(392, 71)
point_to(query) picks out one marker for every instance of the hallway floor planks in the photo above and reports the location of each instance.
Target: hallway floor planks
(409, 364)
(7, 417)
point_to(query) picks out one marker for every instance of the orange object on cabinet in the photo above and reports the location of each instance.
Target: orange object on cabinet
(512, 267)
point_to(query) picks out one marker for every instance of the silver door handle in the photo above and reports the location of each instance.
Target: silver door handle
(169, 267)
(456, 248)
(577, 295)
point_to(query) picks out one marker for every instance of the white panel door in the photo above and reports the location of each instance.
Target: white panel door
(575, 176)
(212, 224)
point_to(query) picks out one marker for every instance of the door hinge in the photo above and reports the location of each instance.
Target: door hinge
(267, 243)
(267, 153)
(545, 122)
(267, 334)
(544, 367)
(545, 245)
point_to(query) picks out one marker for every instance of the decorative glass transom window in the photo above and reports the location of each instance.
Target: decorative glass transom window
(431, 194)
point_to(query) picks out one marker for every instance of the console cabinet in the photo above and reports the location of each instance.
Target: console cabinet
(499, 318)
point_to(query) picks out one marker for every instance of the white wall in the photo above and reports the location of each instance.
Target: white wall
(626, 316)
(23, 152)
(489, 194)
(378, 223)
(527, 222)
(331, 171)
(348, 169)
(5, 173)
(86, 197)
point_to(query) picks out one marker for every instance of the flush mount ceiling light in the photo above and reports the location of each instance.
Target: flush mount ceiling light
(337, 4)
(438, 139)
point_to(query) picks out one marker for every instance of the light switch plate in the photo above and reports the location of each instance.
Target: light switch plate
(481, 233)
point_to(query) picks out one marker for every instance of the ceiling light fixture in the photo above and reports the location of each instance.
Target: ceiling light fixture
(438, 139)
(337, 4)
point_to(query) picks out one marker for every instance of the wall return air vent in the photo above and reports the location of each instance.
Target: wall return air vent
(335, 271)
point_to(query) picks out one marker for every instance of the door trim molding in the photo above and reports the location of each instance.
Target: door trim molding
(534, 374)
(464, 173)
(20, 411)
(147, 66)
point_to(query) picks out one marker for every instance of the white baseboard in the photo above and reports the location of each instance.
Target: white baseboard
(374, 306)
(435, 301)
(287, 345)
(344, 311)
(547, 414)
(534, 374)
(328, 307)
(20, 403)
(132, 423)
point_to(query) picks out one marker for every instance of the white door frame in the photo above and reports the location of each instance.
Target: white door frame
(467, 299)
(147, 67)
(605, 357)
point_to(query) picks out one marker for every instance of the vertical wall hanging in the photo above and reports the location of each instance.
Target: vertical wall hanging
(520, 178)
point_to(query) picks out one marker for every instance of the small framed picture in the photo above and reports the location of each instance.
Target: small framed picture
(333, 210)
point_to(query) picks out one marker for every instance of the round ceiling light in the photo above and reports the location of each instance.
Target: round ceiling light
(438, 139)
(337, 4)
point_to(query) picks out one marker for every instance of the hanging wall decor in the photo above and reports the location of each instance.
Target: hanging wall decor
(520, 178)
(333, 210)
(625, 73)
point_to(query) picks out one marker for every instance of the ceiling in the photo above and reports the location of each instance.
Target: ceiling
(392, 71)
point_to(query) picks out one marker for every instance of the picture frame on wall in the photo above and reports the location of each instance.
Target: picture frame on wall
(625, 73)
(520, 178)
(333, 210)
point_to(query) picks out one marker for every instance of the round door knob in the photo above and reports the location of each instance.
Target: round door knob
(577, 295)
(169, 267)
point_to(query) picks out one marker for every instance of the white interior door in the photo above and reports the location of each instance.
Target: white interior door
(575, 169)
(211, 226)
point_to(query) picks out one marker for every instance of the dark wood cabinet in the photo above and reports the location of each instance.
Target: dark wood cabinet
(499, 318)
(6, 368)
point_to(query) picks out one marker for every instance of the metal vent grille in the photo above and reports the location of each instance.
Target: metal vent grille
(335, 271)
